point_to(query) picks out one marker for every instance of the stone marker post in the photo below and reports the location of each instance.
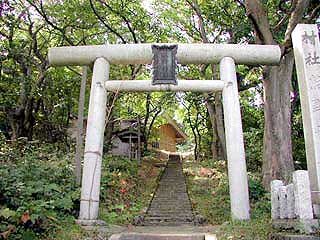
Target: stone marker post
(291, 201)
(275, 201)
(283, 202)
(305, 40)
(237, 170)
(90, 190)
(302, 194)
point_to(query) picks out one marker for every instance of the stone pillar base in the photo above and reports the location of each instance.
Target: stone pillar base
(292, 237)
(87, 222)
(302, 225)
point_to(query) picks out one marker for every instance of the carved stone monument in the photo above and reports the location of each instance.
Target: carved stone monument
(306, 45)
(291, 206)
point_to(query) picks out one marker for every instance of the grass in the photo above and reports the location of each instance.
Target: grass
(209, 194)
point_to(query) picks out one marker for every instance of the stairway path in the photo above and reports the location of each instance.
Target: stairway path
(170, 205)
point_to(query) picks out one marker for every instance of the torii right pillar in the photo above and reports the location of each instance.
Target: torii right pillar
(305, 39)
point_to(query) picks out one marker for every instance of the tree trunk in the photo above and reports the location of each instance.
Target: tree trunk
(22, 120)
(214, 144)
(277, 155)
(220, 126)
(197, 131)
(110, 120)
(222, 153)
(216, 117)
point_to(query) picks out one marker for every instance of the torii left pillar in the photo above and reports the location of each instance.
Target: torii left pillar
(89, 205)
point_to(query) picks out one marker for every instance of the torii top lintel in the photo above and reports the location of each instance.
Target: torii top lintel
(249, 54)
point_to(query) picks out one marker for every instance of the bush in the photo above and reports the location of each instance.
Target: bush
(254, 148)
(120, 189)
(256, 189)
(37, 190)
(39, 199)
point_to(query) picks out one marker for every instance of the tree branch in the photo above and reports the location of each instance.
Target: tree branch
(257, 15)
(280, 23)
(314, 14)
(105, 24)
(194, 4)
(126, 21)
(295, 18)
(43, 13)
(247, 86)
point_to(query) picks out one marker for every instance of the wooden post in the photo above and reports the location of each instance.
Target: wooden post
(139, 142)
(130, 146)
(78, 155)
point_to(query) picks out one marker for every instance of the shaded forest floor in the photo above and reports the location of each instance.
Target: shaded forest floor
(38, 197)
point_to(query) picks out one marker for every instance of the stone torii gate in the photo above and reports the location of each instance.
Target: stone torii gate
(101, 56)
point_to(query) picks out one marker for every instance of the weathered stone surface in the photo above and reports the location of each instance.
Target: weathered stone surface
(90, 188)
(301, 225)
(275, 201)
(290, 201)
(302, 194)
(305, 39)
(251, 54)
(91, 222)
(292, 237)
(237, 170)
(157, 236)
(283, 202)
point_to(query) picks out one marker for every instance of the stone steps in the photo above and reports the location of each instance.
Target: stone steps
(167, 223)
(170, 205)
(158, 236)
(186, 216)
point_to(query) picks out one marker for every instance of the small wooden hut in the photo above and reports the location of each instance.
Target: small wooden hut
(170, 134)
(126, 141)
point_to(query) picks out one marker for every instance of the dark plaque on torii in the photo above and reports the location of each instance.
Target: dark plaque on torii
(164, 64)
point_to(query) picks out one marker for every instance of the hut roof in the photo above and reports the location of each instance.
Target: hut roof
(180, 134)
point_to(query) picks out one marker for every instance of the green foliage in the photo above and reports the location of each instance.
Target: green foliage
(253, 125)
(256, 189)
(298, 141)
(254, 149)
(259, 228)
(37, 190)
(120, 164)
(39, 198)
